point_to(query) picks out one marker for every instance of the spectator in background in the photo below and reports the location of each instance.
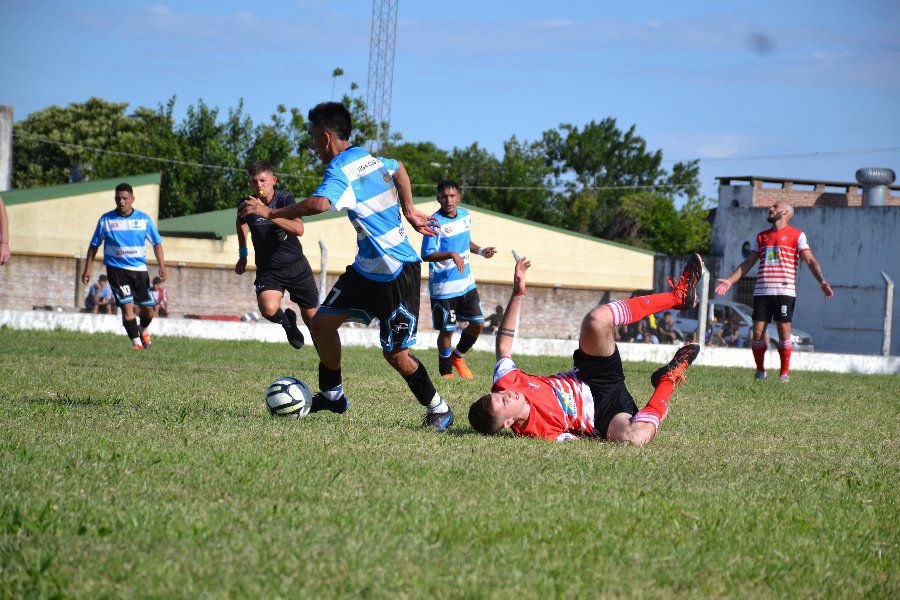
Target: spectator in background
(4, 234)
(644, 335)
(492, 322)
(665, 330)
(99, 297)
(730, 334)
(161, 296)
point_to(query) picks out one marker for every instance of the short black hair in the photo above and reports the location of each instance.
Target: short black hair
(103, 278)
(482, 418)
(333, 116)
(668, 313)
(443, 184)
(157, 280)
(124, 187)
(259, 166)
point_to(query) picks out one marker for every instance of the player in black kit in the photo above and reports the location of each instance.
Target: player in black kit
(280, 263)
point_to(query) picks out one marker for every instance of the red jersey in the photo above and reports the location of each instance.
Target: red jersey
(562, 406)
(779, 251)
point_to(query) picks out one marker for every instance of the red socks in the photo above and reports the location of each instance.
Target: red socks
(626, 312)
(759, 353)
(784, 351)
(658, 406)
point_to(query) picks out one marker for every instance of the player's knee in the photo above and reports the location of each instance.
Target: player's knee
(599, 319)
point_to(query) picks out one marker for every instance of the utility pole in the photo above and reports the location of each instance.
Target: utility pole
(6, 147)
(381, 68)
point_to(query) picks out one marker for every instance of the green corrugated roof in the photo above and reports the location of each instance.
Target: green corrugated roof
(217, 224)
(75, 189)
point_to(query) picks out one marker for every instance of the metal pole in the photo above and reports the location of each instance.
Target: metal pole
(701, 313)
(888, 314)
(6, 147)
(323, 273)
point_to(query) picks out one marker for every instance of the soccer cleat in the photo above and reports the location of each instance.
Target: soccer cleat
(459, 363)
(674, 371)
(294, 335)
(339, 406)
(785, 378)
(447, 375)
(145, 340)
(760, 375)
(686, 288)
(439, 421)
(137, 347)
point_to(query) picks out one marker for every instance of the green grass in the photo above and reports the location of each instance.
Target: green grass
(159, 474)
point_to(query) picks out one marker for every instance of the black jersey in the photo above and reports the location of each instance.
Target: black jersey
(274, 247)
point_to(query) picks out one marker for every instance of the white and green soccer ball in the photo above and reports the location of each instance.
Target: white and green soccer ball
(288, 397)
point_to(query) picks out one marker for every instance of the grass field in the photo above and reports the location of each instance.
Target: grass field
(159, 474)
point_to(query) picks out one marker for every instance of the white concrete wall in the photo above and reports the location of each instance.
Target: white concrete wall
(853, 245)
(353, 336)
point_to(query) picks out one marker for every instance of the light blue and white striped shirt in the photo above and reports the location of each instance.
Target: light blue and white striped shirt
(453, 235)
(363, 185)
(124, 239)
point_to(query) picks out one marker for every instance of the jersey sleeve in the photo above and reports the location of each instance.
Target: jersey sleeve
(391, 164)
(97, 239)
(430, 244)
(802, 244)
(153, 233)
(504, 366)
(334, 188)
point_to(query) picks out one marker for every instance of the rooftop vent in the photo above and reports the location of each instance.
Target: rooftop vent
(875, 184)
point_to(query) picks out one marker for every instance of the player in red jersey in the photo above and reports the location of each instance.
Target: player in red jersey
(781, 248)
(591, 400)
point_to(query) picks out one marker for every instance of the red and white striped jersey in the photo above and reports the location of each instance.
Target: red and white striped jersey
(562, 406)
(779, 251)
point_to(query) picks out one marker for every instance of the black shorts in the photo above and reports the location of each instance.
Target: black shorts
(130, 286)
(445, 313)
(394, 303)
(296, 279)
(605, 377)
(777, 308)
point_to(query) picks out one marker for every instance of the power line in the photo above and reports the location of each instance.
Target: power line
(781, 156)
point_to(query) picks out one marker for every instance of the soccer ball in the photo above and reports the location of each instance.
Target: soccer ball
(288, 397)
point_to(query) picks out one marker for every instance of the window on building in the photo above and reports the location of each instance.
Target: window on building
(743, 291)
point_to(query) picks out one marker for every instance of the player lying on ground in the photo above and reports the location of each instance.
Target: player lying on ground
(591, 400)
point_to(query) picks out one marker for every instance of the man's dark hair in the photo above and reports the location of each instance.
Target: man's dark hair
(333, 116)
(124, 187)
(259, 166)
(443, 184)
(157, 280)
(103, 278)
(668, 313)
(481, 416)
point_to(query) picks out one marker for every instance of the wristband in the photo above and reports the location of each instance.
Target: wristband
(243, 252)
(481, 252)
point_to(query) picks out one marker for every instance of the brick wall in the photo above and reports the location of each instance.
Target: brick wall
(28, 281)
(819, 195)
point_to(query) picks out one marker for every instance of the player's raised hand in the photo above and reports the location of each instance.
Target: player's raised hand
(422, 223)
(522, 265)
(723, 287)
(254, 206)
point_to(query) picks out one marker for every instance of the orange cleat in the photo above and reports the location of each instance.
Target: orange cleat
(137, 347)
(686, 286)
(447, 375)
(674, 371)
(145, 340)
(459, 363)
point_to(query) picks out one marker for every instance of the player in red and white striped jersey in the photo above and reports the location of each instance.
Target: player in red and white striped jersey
(779, 249)
(590, 400)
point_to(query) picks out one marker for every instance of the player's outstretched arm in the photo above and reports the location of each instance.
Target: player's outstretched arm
(816, 270)
(242, 230)
(744, 267)
(507, 329)
(486, 252)
(454, 256)
(420, 221)
(305, 208)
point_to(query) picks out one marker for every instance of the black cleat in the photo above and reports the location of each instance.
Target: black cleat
(319, 402)
(294, 335)
(686, 288)
(439, 421)
(683, 358)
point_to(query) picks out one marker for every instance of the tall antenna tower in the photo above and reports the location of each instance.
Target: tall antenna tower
(381, 67)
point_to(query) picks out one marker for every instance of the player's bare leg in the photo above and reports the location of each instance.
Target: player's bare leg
(784, 349)
(598, 332)
(759, 345)
(444, 341)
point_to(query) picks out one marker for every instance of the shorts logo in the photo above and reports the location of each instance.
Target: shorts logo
(398, 327)
(784, 310)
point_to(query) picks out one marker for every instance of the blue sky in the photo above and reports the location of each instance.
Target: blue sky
(711, 80)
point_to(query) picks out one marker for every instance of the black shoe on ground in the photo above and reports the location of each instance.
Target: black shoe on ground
(686, 288)
(683, 358)
(439, 421)
(294, 335)
(319, 402)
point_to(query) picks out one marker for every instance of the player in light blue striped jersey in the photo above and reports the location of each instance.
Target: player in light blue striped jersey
(124, 233)
(454, 296)
(383, 281)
